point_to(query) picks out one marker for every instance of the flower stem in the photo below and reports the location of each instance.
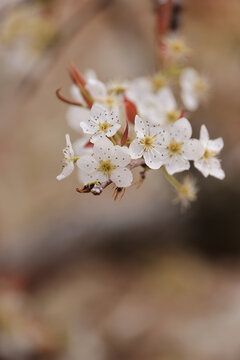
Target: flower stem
(113, 141)
(171, 179)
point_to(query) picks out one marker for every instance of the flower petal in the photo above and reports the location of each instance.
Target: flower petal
(204, 135)
(113, 129)
(94, 176)
(181, 130)
(103, 149)
(75, 115)
(192, 149)
(177, 164)
(122, 177)
(215, 145)
(66, 171)
(190, 100)
(216, 170)
(120, 157)
(96, 88)
(154, 159)
(135, 149)
(141, 126)
(88, 164)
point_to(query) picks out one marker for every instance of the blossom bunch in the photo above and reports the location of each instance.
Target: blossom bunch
(141, 122)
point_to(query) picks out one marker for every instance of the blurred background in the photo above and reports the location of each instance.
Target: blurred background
(89, 278)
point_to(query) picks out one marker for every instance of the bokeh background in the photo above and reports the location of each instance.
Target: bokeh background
(84, 277)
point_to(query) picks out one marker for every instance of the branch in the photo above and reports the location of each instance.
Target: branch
(98, 189)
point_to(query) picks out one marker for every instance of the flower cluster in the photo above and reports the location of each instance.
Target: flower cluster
(125, 124)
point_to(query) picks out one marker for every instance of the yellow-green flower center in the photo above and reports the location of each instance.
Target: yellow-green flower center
(148, 142)
(104, 126)
(158, 82)
(173, 115)
(110, 101)
(106, 167)
(175, 148)
(200, 86)
(208, 154)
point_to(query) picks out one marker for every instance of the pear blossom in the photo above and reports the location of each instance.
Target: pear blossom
(187, 192)
(209, 164)
(148, 143)
(102, 122)
(179, 146)
(68, 160)
(166, 105)
(175, 47)
(194, 88)
(107, 162)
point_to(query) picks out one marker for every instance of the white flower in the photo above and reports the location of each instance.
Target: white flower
(167, 111)
(148, 144)
(102, 122)
(194, 88)
(68, 160)
(208, 164)
(187, 192)
(108, 162)
(179, 147)
(175, 47)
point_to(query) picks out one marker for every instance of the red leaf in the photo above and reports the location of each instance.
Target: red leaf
(131, 109)
(181, 114)
(125, 135)
(79, 80)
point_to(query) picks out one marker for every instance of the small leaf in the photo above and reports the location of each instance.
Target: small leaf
(181, 114)
(125, 134)
(131, 109)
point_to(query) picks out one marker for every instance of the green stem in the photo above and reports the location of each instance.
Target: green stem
(113, 141)
(171, 179)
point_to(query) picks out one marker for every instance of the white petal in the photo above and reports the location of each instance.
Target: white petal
(113, 116)
(66, 171)
(204, 135)
(69, 147)
(113, 129)
(141, 126)
(103, 149)
(96, 88)
(120, 157)
(177, 164)
(215, 169)
(154, 159)
(135, 149)
(99, 112)
(188, 78)
(89, 126)
(76, 94)
(203, 166)
(90, 74)
(181, 130)
(166, 99)
(88, 164)
(99, 136)
(215, 145)
(190, 100)
(94, 176)
(192, 149)
(75, 115)
(122, 177)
